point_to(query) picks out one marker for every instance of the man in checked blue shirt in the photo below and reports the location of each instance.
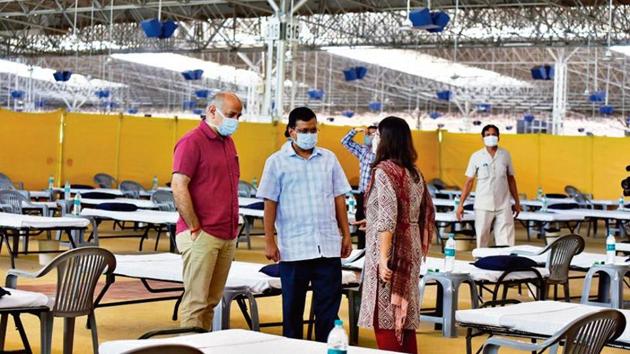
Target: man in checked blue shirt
(304, 189)
(366, 156)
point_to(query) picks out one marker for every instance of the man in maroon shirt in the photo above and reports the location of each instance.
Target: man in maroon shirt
(205, 187)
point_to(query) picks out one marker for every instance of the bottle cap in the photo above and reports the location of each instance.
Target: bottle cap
(338, 323)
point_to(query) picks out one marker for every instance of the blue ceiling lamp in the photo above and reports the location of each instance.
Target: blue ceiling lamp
(17, 94)
(202, 93)
(102, 93)
(355, 73)
(542, 72)
(528, 117)
(425, 19)
(361, 71)
(435, 115)
(348, 113)
(597, 96)
(190, 75)
(197, 111)
(62, 76)
(132, 110)
(484, 107)
(188, 105)
(154, 28)
(440, 19)
(375, 106)
(444, 95)
(606, 110)
(315, 94)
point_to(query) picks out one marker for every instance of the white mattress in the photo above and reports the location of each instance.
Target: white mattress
(49, 205)
(600, 214)
(251, 212)
(231, 341)
(168, 266)
(146, 216)
(36, 222)
(100, 190)
(538, 317)
(140, 203)
(452, 217)
(556, 215)
(243, 201)
(39, 194)
(21, 298)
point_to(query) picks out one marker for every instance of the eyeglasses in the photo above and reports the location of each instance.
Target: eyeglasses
(307, 131)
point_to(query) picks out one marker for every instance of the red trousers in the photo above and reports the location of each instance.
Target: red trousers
(386, 340)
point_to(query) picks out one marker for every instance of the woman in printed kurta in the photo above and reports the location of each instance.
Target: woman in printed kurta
(400, 221)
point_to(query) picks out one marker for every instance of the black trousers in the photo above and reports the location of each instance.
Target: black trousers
(324, 276)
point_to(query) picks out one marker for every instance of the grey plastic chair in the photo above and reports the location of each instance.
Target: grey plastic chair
(6, 183)
(12, 201)
(165, 202)
(131, 189)
(586, 335)
(561, 253)
(78, 272)
(103, 180)
(246, 189)
(571, 191)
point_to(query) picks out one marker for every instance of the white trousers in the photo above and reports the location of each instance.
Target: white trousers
(503, 227)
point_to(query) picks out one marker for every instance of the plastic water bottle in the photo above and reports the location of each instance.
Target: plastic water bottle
(338, 339)
(51, 184)
(255, 183)
(66, 191)
(155, 183)
(449, 254)
(539, 193)
(76, 210)
(352, 204)
(621, 203)
(544, 203)
(456, 202)
(610, 249)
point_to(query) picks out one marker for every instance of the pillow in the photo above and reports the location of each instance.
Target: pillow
(3, 292)
(272, 270)
(117, 207)
(256, 206)
(97, 195)
(503, 263)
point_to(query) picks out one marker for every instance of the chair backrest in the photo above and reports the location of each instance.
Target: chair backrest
(103, 180)
(13, 200)
(561, 253)
(5, 182)
(78, 271)
(589, 334)
(131, 188)
(164, 200)
(571, 191)
(246, 189)
(438, 183)
(165, 349)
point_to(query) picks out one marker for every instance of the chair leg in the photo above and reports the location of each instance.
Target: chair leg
(4, 318)
(46, 327)
(68, 334)
(157, 238)
(567, 296)
(20, 329)
(92, 321)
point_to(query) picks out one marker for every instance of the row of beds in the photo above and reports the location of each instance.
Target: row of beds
(246, 284)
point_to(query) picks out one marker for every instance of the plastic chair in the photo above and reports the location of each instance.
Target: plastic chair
(103, 180)
(164, 200)
(131, 189)
(78, 271)
(571, 191)
(586, 335)
(246, 189)
(13, 201)
(6, 183)
(561, 253)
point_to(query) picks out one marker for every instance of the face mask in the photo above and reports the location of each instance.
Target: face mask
(491, 140)
(228, 126)
(368, 140)
(375, 141)
(306, 141)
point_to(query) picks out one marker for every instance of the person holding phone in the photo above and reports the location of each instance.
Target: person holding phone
(492, 167)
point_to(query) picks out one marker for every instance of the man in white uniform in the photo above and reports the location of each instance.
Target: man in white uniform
(492, 166)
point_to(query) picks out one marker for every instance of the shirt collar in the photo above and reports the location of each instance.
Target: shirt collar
(207, 131)
(290, 151)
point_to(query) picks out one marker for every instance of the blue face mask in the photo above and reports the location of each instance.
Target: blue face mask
(306, 141)
(228, 126)
(367, 140)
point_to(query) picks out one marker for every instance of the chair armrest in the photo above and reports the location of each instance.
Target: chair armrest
(13, 274)
(497, 342)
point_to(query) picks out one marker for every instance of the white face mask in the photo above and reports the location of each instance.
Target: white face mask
(375, 141)
(491, 140)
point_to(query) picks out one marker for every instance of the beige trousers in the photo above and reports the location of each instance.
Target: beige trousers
(503, 227)
(207, 262)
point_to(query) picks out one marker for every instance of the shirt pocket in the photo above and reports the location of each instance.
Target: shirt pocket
(483, 171)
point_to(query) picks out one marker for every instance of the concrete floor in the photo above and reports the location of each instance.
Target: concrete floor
(131, 321)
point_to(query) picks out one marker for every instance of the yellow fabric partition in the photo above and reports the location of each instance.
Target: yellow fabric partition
(455, 151)
(428, 148)
(525, 158)
(565, 160)
(30, 147)
(255, 142)
(90, 144)
(609, 161)
(146, 149)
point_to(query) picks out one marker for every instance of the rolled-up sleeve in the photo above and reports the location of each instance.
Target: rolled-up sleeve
(471, 170)
(387, 203)
(269, 187)
(340, 182)
(510, 166)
